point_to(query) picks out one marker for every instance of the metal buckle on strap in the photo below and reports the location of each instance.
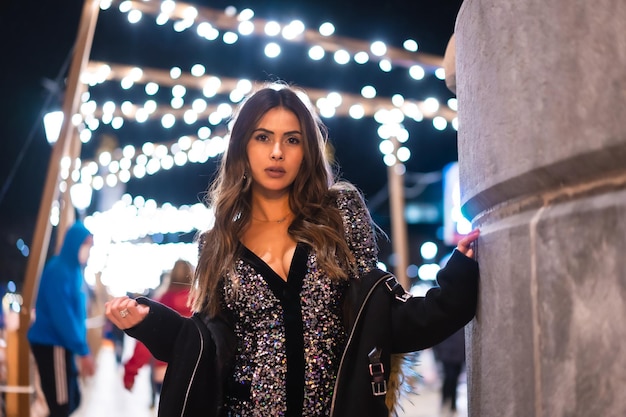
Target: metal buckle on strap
(396, 289)
(377, 371)
(379, 388)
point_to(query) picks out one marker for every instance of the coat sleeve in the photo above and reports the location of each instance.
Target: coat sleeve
(422, 322)
(358, 229)
(159, 330)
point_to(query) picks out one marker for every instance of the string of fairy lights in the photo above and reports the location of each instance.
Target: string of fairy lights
(219, 96)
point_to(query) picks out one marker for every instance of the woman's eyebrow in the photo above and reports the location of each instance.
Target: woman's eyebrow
(262, 129)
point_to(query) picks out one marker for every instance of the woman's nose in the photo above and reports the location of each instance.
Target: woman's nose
(277, 152)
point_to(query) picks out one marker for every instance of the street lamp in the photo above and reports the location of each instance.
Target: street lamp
(52, 125)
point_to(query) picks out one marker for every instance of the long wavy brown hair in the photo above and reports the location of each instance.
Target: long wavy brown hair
(312, 197)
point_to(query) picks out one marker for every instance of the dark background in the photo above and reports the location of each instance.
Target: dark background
(37, 39)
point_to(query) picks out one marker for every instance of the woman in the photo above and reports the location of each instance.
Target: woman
(292, 317)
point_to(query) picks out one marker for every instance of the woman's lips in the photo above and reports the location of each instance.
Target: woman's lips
(275, 172)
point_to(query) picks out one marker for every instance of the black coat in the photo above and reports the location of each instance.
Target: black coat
(382, 318)
(399, 326)
(199, 355)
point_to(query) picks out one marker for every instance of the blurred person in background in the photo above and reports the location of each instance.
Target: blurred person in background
(451, 356)
(58, 333)
(174, 293)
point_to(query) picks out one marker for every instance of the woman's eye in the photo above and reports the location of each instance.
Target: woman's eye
(293, 140)
(261, 138)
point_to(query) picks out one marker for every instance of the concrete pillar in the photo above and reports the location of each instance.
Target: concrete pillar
(542, 152)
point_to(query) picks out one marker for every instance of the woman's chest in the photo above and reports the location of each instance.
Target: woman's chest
(274, 246)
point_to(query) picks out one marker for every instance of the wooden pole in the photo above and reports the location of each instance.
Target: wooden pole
(399, 235)
(18, 404)
(67, 215)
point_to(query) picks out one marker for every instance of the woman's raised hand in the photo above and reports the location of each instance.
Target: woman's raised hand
(465, 245)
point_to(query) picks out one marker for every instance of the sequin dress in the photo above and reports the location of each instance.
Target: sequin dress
(290, 333)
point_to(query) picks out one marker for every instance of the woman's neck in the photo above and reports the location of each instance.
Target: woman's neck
(270, 210)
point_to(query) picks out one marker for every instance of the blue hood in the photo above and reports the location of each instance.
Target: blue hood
(74, 238)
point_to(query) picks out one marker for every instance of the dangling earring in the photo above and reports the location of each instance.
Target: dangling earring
(245, 184)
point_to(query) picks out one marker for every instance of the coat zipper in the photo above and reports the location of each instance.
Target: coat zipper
(354, 326)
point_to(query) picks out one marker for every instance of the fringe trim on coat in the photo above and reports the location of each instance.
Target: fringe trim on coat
(403, 380)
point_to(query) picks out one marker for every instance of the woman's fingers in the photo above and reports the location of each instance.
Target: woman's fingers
(125, 312)
(465, 245)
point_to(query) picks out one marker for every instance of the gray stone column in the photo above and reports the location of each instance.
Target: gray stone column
(542, 150)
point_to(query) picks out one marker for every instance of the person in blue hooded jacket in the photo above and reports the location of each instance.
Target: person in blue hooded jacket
(58, 334)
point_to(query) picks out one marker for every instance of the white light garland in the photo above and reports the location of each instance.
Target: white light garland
(198, 150)
(125, 252)
(209, 21)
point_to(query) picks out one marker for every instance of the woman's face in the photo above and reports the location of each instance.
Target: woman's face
(275, 152)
